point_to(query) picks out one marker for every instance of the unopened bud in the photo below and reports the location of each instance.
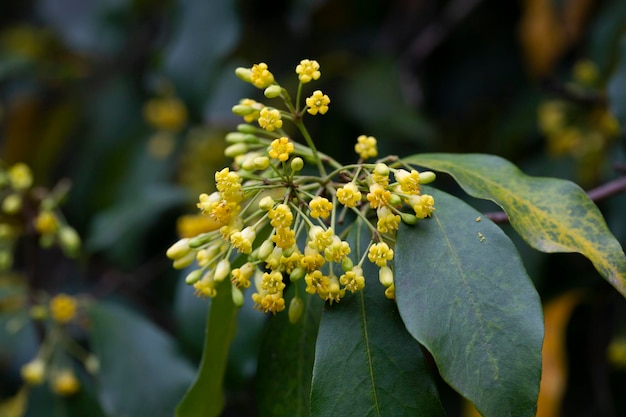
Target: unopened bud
(243, 73)
(247, 128)
(381, 169)
(272, 91)
(235, 150)
(222, 270)
(185, 261)
(297, 274)
(266, 203)
(395, 200)
(296, 306)
(427, 177)
(242, 109)
(266, 249)
(385, 276)
(12, 203)
(178, 249)
(408, 218)
(237, 296)
(193, 276)
(261, 162)
(297, 164)
(200, 240)
(69, 240)
(347, 264)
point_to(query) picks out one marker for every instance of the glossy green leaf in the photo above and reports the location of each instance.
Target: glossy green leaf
(286, 362)
(551, 215)
(141, 373)
(463, 293)
(205, 398)
(366, 364)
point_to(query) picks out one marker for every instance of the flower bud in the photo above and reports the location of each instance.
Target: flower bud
(266, 203)
(395, 200)
(235, 150)
(193, 276)
(247, 128)
(200, 240)
(296, 307)
(297, 274)
(235, 137)
(347, 264)
(69, 240)
(381, 169)
(34, 372)
(178, 249)
(12, 204)
(385, 276)
(242, 109)
(272, 91)
(297, 164)
(243, 73)
(408, 218)
(427, 177)
(222, 270)
(185, 261)
(266, 249)
(261, 162)
(237, 296)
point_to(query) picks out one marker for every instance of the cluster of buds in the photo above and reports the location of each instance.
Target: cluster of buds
(53, 360)
(279, 213)
(25, 209)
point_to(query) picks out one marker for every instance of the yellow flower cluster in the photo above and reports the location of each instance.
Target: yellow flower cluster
(281, 228)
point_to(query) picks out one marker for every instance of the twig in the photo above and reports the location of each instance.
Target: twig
(599, 193)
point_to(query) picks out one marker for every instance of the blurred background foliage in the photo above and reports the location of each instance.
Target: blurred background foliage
(129, 101)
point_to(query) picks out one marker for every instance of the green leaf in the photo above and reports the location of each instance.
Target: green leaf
(551, 215)
(141, 373)
(286, 362)
(463, 293)
(616, 88)
(366, 364)
(205, 398)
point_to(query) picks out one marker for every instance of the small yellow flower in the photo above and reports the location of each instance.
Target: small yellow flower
(409, 181)
(335, 292)
(243, 240)
(166, 113)
(280, 216)
(387, 221)
(378, 195)
(65, 383)
(272, 282)
(284, 237)
(206, 286)
(320, 207)
(291, 262)
(269, 303)
(241, 276)
(316, 282)
(281, 149)
(228, 183)
(423, 205)
(20, 176)
(63, 308)
(337, 250)
(46, 223)
(320, 239)
(308, 70)
(34, 372)
(317, 103)
(353, 280)
(260, 76)
(366, 147)
(312, 260)
(349, 195)
(269, 119)
(380, 253)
